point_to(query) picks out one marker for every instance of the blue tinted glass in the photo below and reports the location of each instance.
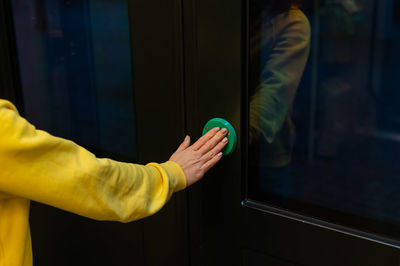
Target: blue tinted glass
(324, 118)
(75, 66)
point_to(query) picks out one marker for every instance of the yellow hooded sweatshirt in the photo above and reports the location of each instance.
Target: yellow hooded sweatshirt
(37, 166)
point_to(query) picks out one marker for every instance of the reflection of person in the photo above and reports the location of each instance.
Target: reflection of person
(37, 166)
(279, 48)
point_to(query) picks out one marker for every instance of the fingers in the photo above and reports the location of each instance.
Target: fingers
(213, 142)
(214, 151)
(184, 145)
(208, 165)
(201, 141)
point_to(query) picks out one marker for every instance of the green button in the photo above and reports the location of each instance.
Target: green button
(231, 136)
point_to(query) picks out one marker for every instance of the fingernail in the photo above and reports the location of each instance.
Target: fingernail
(219, 154)
(224, 130)
(225, 140)
(216, 128)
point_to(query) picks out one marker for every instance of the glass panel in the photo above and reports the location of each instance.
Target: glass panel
(75, 67)
(324, 131)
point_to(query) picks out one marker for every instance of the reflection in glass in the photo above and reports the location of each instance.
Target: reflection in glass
(343, 164)
(279, 47)
(74, 59)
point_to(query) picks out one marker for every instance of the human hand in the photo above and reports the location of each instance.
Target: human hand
(197, 159)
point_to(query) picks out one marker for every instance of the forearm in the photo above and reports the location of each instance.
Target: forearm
(60, 173)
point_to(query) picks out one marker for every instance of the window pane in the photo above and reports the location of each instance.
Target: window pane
(76, 74)
(324, 131)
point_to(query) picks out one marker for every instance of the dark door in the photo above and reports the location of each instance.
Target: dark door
(107, 75)
(318, 185)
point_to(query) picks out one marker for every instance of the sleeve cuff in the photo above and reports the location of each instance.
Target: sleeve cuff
(176, 175)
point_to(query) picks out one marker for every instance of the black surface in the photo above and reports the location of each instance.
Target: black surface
(213, 89)
(305, 244)
(253, 258)
(10, 88)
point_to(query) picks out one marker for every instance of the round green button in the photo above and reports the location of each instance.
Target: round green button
(231, 136)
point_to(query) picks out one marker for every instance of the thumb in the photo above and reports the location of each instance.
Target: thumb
(184, 145)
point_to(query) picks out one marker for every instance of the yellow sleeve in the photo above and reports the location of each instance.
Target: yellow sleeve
(54, 171)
